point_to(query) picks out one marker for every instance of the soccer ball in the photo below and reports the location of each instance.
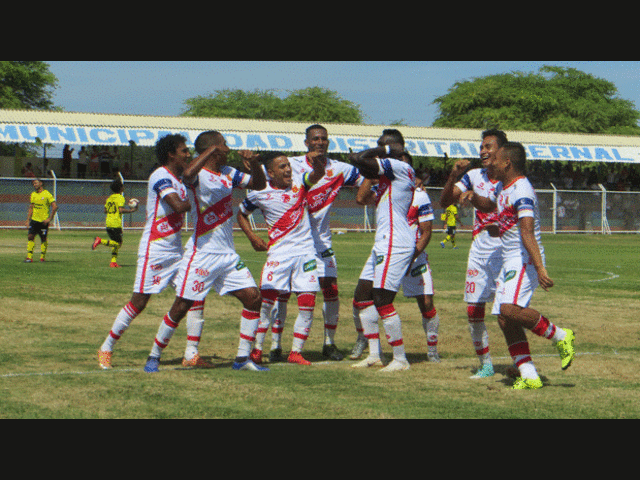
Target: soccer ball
(133, 202)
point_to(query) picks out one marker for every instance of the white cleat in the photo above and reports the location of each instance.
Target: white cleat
(369, 362)
(396, 366)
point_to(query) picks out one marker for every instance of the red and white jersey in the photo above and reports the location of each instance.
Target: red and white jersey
(286, 215)
(421, 210)
(483, 244)
(212, 209)
(515, 201)
(162, 230)
(394, 195)
(320, 196)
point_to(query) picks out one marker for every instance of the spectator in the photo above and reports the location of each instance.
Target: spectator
(82, 163)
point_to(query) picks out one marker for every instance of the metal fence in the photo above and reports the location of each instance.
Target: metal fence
(81, 206)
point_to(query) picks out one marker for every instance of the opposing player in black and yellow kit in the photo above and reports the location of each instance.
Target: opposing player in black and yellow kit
(114, 208)
(42, 209)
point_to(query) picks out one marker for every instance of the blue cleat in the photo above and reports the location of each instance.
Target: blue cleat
(152, 365)
(249, 365)
(484, 372)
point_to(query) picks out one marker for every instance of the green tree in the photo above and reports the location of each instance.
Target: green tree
(26, 85)
(312, 104)
(556, 99)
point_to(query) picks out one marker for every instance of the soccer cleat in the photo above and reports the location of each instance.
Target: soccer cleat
(275, 355)
(42, 259)
(442, 244)
(396, 366)
(566, 349)
(152, 364)
(249, 365)
(96, 242)
(256, 356)
(332, 352)
(28, 260)
(484, 371)
(296, 357)
(104, 359)
(197, 361)
(433, 357)
(114, 265)
(527, 384)
(359, 348)
(369, 362)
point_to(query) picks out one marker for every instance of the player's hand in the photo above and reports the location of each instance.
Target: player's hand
(493, 229)
(543, 279)
(248, 157)
(460, 166)
(466, 197)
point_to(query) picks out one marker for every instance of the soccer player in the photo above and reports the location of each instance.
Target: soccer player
(291, 264)
(517, 224)
(418, 281)
(393, 250)
(320, 198)
(451, 218)
(160, 249)
(210, 260)
(485, 255)
(42, 210)
(114, 208)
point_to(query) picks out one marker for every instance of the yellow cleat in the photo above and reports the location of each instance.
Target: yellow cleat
(527, 383)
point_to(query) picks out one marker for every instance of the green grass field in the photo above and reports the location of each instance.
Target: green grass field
(55, 315)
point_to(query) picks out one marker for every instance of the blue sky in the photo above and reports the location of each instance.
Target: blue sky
(385, 91)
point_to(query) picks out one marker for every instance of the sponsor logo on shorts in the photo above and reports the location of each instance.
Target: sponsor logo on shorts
(310, 265)
(511, 274)
(419, 270)
(379, 259)
(240, 265)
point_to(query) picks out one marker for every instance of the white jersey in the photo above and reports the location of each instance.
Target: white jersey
(421, 210)
(394, 195)
(212, 209)
(515, 201)
(483, 244)
(162, 230)
(286, 215)
(320, 196)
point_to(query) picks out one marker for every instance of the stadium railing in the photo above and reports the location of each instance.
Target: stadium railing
(81, 206)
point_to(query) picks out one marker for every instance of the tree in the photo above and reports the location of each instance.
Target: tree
(312, 104)
(26, 85)
(556, 99)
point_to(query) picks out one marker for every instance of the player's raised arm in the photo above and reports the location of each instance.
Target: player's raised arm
(193, 168)
(318, 163)
(366, 160)
(450, 193)
(251, 161)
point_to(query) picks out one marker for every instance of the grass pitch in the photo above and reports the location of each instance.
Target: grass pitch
(55, 315)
